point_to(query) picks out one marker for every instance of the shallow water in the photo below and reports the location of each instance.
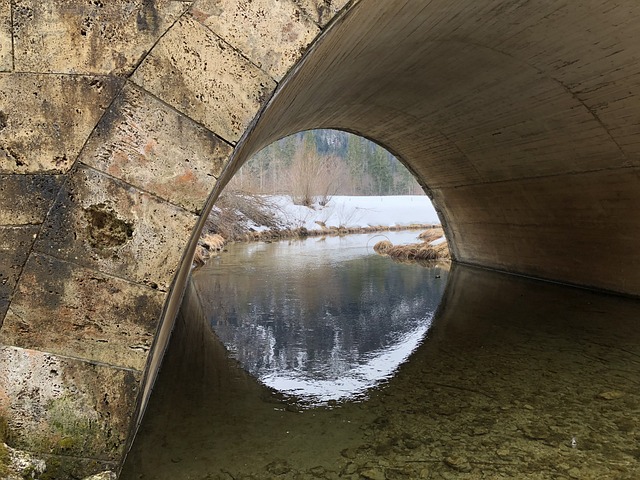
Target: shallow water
(514, 379)
(320, 319)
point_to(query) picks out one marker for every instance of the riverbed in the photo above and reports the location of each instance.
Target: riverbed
(509, 378)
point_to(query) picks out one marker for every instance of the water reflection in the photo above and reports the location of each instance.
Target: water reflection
(516, 379)
(319, 319)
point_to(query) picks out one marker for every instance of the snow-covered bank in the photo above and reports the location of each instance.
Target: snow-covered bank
(353, 212)
(249, 218)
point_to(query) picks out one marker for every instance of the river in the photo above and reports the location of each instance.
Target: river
(318, 359)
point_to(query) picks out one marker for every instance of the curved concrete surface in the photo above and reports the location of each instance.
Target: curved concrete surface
(521, 120)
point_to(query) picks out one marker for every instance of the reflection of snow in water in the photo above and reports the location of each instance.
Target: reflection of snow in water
(354, 382)
(320, 319)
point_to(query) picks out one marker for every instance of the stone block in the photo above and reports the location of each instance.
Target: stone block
(6, 42)
(273, 35)
(62, 308)
(26, 199)
(89, 37)
(63, 406)
(107, 225)
(15, 244)
(321, 11)
(46, 119)
(146, 143)
(202, 76)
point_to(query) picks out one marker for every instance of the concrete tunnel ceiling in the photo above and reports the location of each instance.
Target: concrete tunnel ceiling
(525, 131)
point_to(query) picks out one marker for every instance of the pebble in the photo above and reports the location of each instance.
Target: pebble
(611, 395)
(349, 469)
(349, 453)
(372, 474)
(503, 452)
(575, 472)
(278, 467)
(102, 476)
(458, 463)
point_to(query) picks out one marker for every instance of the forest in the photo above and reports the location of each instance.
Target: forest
(322, 163)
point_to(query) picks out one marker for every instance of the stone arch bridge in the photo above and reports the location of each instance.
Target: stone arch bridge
(121, 120)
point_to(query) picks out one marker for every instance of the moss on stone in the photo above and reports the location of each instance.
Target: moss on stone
(53, 470)
(71, 430)
(5, 432)
(4, 460)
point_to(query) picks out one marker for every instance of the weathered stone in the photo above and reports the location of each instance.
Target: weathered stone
(147, 144)
(15, 244)
(6, 42)
(321, 11)
(89, 37)
(65, 406)
(64, 467)
(205, 78)
(278, 467)
(102, 476)
(458, 463)
(611, 395)
(271, 34)
(45, 119)
(372, 474)
(65, 309)
(22, 465)
(112, 227)
(26, 199)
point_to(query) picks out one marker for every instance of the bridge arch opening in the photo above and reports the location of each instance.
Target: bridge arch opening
(290, 306)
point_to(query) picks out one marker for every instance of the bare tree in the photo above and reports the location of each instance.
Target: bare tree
(313, 177)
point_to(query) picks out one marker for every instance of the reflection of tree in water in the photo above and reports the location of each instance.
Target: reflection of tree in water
(321, 320)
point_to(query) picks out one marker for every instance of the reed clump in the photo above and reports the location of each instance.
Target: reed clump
(382, 247)
(431, 248)
(431, 234)
(209, 245)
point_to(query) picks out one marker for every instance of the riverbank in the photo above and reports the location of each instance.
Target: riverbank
(238, 217)
(433, 247)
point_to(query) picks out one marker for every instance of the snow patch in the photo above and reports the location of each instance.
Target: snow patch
(357, 211)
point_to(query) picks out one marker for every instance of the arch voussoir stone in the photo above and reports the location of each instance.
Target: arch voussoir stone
(146, 143)
(46, 118)
(273, 35)
(200, 75)
(6, 40)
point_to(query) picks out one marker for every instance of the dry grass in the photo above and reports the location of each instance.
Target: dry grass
(417, 251)
(235, 211)
(213, 242)
(382, 247)
(431, 234)
(209, 245)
